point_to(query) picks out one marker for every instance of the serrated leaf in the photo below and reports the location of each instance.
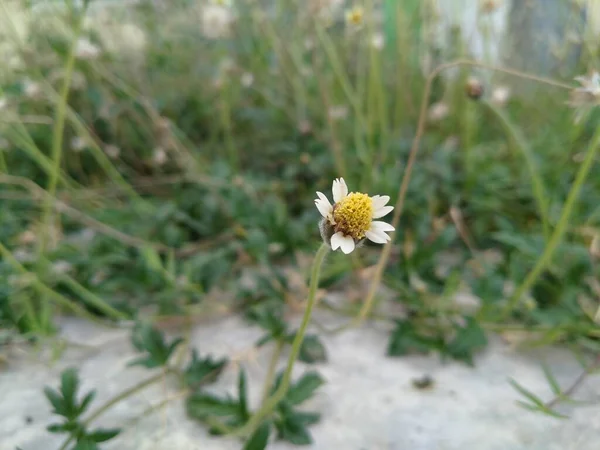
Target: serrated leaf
(200, 372)
(102, 435)
(405, 339)
(467, 341)
(260, 438)
(293, 430)
(556, 389)
(172, 348)
(243, 394)
(145, 361)
(56, 400)
(69, 383)
(200, 406)
(85, 403)
(56, 428)
(304, 388)
(312, 350)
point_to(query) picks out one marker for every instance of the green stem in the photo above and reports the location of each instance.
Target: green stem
(268, 406)
(44, 290)
(57, 144)
(539, 191)
(561, 226)
(272, 367)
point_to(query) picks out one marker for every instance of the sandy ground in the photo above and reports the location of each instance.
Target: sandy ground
(368, 403)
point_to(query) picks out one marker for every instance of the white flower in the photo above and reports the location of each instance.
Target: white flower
(127, 40)
(500, 95)
(438, 111)
(247, 79)
(31, 88)
(61, 267)
(3, 103)
(350, 219)
(84, 49)
(589, 85)
(587, 96)
(78, 144)
(112, 151)
(159, 157)
(355, 16)
(378, 41)
(216, 21)
(338, 112)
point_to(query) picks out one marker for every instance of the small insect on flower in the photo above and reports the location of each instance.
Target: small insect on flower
(349, 220)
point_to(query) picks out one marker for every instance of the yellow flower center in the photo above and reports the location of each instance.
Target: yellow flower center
(353, 215)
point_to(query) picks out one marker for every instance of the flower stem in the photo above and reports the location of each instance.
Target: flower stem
(271, 371)
(270, 403)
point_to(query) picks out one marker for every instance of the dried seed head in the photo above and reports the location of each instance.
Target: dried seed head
(474, 88)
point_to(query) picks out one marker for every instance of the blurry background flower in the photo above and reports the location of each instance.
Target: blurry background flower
(355, 17)
(500, 95)
(78, 144)
(217, 21)
(84, 49)
(378, 41)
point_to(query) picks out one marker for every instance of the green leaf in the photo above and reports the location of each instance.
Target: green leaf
(102, 435)
(260, 438)
(85, 444)
(312, 350)
(57, 428)
(304, 388)
(552, 381)
(532, 397)
(86, 402)
(405, 339)
(200, 406)
(243, 394)
(467, 341)
(56, 400)
(146, 361)
(200, 372)
(69, 382)
(293, 430)
(148, 339)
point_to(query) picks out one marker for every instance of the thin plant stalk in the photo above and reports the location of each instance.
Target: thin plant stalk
(48, 215)
(272, 402)
(561, 226)
(403, 189)
(539, 191)
(45, 291)
(272, 367)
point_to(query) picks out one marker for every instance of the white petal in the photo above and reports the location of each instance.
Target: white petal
(322, 196)
(383, 211)
(336, 240)
(324, 208)
(377, 225)
(323, 205)
(379, 237)
(379, 201)
(346, 243)
(339, 190)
